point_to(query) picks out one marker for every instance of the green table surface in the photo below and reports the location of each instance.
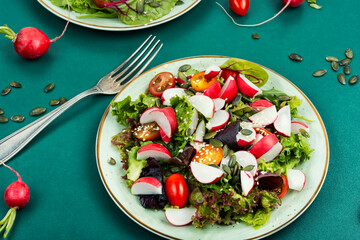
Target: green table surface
(68, 199)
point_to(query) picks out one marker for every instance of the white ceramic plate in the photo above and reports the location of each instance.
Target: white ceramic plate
(293, 205)
(114, 24)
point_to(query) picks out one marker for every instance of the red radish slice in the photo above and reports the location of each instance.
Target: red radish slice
(260, 104)
(229, 90)
(212, 71)
(258, 137)
(164, 137)
(155, 150)
(218, 121)
(171, 92)
(247, 182)
(219, 103)
(245, 158)
(145, 116)
(283, 121)
(213, 91)
(296, 126)
(180, 216)
(267, 148)
(265, 117)
(203, 104)
(296, 179)
(194, 122)
(205, 174)
(200, 132)
(179, 80)
(247, 87)
(245, 140)
(146, 186)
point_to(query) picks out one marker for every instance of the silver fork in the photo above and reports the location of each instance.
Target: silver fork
(111, 83)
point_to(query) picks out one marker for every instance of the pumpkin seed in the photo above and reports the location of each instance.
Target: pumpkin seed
(62, 100)
(295, 57)
(184, 68)
(246, 132)
(210, 135)
(6, 91)
(341, 78)
(214, 165)
(249, 167)
(189, 132)
(345, 61)
(188, 92)
(226, 151)
(185, 85)
(354, 79)
(175, 169)
(347, 69)
(283, 98)
(17, 118)
(236, 100)
(15, 84)
(232, 161)
(3, 119)
(140, 6)
(148, 1)
(179, 2)
(158, 102)
(1, 111)
(314, 5)
(304, 133)
(332, 59)
(235, 180)
(49, 87)
(349, 53)
(216, 143)
(111, 161)
(255, 36)
(37, 111)
(226, 169)
(54, 102)
(182, 76)
(192, 90)
(154, 4)
(319, 73)
(335, 66)
(235, 169)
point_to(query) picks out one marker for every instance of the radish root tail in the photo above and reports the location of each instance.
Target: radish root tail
(258, 24)
(18, 176)
(62, 34)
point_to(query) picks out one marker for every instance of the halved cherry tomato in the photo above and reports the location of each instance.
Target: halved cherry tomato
(161, 82)
(200, 83)
(209, 155)
(262, 131)
(176, 189)
(240, 7)
(100, 3)
(226, 73)
(285, 186)
(147, 132)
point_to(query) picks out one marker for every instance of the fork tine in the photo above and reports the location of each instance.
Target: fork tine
(140, 63)
(131, 56)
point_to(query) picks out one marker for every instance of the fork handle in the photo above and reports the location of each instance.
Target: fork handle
(13, 143)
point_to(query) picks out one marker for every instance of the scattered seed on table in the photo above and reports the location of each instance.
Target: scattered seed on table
(314, 5)
(17, 118)
(319, 73)
(1, 111)
(354, 79)
(184, 68)
(295, 57)
(349, 53)
(341, 78)
(49, 87)
(15, 85)
(6, 91)
(111, 161)
(345, 61)
(62, 100)
(335, 66)
(332, 59)
(3, 119)
(54, 102)
(255, 36)
(37, 111)
(347, 69)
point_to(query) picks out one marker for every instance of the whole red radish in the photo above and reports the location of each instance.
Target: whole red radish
(293, 3)
(17, 195)
(30, 42)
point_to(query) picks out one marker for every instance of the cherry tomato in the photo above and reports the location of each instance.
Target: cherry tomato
(100, 3)
(147, 132)
(226, 73)
(285, 186)
(240, 7)
(176, 189)
(200, 83)
(161, 82)
(262, 131)
(209, 155)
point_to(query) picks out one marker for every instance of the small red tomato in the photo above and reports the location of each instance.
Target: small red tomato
(100, 3)
(293, 3)
(176, 189)
(226, 73)
(285, 186)
(240, 7)
(161, 82)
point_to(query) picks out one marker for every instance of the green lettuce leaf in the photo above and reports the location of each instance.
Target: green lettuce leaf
(252, 71)
(85, 7)
(134, 166)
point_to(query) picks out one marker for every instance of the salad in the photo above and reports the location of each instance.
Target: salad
(209, 146)
(130, 12)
